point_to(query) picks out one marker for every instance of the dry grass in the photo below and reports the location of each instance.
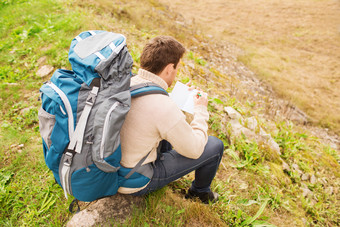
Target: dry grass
(293, 45)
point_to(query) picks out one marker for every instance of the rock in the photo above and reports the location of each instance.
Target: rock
(266, 138)
(285, 166)
(305, 177)
(329, 190)
(251, 123)
(274, 146)
(42, 60)
(295, 114)
(295, 167)
(191, 65)
(243, 185)
(238, 129)
(106, 211)
(25, 110)
(12, 84)
(45, 70)
(232, 113)
(306, 192)
(313, 179)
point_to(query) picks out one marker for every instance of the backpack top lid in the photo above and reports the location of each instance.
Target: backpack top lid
(93, 54)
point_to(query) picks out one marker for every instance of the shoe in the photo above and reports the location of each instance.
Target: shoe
(205, 197)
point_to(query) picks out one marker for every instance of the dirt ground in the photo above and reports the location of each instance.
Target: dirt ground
(294, 45)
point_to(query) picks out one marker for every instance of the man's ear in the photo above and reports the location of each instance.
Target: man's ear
(169, 68)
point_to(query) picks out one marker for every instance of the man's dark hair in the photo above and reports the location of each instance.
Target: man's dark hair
(159, 52)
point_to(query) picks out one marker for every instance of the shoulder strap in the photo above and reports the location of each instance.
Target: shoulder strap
(141, 90)
(146, 89)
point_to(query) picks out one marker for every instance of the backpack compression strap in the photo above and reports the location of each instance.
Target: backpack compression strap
(146, 89)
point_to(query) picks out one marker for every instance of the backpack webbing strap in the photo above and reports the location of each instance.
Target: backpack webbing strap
(76, 142)
(65, 171)
(146, 89)
(139, 164)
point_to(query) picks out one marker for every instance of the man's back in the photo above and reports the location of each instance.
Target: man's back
(153, 118)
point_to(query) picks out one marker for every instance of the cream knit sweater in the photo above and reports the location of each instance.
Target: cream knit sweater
(153, 118)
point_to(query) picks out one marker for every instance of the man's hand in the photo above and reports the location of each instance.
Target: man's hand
(200, 98)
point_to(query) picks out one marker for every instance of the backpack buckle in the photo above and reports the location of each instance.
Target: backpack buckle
(91, 98)
(68, 159)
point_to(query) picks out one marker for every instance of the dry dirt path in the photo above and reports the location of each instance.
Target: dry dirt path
(293, 45)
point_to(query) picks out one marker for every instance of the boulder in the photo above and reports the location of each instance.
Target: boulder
(111, 210)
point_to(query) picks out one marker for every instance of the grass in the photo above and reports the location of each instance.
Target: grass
(254, 188)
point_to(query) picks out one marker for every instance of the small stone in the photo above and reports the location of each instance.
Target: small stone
(191, 65)
(13, 145)
(12, 84)
(305, 177)
(19, 151)
(25, 110)
(306, 192)
(313, 179)
(45, 70)
(295, 166)
(42, 60)
(233, 114)
(180, 23)
(21, 145)
(243, 186)
(329, 190)
(285, 166)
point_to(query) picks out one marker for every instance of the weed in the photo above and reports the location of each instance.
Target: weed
(198, 60)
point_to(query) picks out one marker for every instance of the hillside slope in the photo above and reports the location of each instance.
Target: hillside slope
(293, 45)
(299, 187)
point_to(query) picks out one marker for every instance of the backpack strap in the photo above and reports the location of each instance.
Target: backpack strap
(137, 91)
(146, 89)
(78, 135)
(146, 171)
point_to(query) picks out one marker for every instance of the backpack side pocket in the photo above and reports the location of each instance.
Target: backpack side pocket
(46, 125)
(106, 130)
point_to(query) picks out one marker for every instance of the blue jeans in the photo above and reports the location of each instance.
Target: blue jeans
(170, 166)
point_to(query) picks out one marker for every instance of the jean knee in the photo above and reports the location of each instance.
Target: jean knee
(216, 144)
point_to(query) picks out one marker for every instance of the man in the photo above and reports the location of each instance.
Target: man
(155, 120)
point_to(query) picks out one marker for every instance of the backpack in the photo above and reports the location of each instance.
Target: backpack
(81, 115)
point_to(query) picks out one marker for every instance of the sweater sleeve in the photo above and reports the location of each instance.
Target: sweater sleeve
(189, 140)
